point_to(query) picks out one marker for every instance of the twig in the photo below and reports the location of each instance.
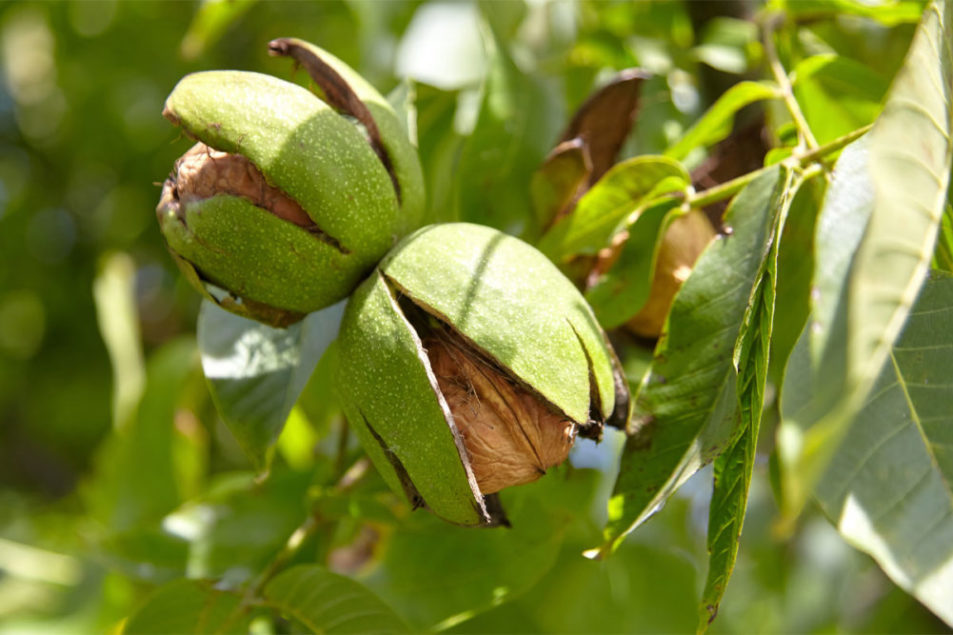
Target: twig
(729, 188)
(784, 83)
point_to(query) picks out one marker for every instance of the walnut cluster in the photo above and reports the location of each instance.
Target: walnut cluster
(511, 436)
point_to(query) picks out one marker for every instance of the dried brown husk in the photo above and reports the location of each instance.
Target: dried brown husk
(511, 436)
(684, 241)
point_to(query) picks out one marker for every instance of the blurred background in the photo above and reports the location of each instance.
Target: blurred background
(107, 435)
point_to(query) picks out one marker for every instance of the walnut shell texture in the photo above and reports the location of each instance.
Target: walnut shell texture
(204, 172)
(511, 436)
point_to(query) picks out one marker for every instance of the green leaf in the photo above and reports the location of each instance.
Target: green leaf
(136, 482)
(863, 297)
(210, 22)
(238, 524)
(716, 123)
(887, 13)
(557, 183)
(734, 467)
(837, 95)
(403, 100)
(621, 291)
(442, 575)
(519, 117)
(943, 256)
(889, 487)
(621, 193)
(910, 183)
(255, 372)
(189, 606)
(114, 291)
(795, 274)
(325, 602)
(688, 403)
(816, 376)
(725, 44)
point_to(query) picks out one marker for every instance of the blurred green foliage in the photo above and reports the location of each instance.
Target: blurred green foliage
(116, 474)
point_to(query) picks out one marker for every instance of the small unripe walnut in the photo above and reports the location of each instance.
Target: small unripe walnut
(290, 198)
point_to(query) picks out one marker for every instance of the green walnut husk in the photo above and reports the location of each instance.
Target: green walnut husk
(469, 363)
(288, 200)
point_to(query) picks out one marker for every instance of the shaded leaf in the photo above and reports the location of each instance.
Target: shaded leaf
(732, 471)
(136, 479)
(519, 116)
(443, 575)
(837, 95)
(239, 524)
(716, 123)
(889, 487)
(687, 409)
(189, 606)
(620, 292)
(622, 192)
(795, 274)
(255, 372)
(325, 602)
(559, 181)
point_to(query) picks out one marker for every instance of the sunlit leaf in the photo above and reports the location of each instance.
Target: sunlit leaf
(816, 376)
(403, 100)
(889, 487)
(210, 22)
(888, 12)
(862, 297)
(733, 469)
(726, 44)
(910, 182)
(943, 256)
(325, 602)
(716, 123)
(114, 291)
(255, 372)
(687, 407)
(622, 192)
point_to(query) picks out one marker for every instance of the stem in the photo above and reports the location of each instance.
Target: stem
(306, 530)
(784, 83)
(729, 188)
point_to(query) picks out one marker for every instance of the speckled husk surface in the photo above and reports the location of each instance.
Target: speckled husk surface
(317, 158)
